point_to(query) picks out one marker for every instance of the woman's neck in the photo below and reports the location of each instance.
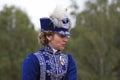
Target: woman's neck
(54, 50)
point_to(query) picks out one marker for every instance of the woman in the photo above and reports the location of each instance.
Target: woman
(49, 63)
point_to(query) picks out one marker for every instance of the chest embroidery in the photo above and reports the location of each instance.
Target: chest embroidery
(52, 66)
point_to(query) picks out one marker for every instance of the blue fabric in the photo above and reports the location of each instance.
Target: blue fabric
(72, 69)
(31, 67)
(47, 25)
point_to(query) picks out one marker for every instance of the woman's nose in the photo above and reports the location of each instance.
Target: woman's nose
(65, 39)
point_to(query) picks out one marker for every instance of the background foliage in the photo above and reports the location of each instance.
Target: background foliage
(17, 39)
(94, 42)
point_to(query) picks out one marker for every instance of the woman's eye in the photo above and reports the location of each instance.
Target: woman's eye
(62, 36)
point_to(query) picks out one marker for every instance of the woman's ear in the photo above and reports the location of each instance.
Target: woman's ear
(49, 38)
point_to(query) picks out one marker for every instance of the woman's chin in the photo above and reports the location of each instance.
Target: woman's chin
(62, 48)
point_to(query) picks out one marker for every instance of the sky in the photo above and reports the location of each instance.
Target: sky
(36, 9)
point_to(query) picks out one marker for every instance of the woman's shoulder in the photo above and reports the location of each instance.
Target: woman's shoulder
(31, 58)
(71, 59)
(30, 67)
(70, 56)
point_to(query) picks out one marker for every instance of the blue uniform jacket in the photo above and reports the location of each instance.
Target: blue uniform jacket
(44, 65)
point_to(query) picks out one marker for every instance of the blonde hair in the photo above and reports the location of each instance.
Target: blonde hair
(42, 37)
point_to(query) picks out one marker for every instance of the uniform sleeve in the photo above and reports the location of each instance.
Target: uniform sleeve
(72, 69)
(30, 68)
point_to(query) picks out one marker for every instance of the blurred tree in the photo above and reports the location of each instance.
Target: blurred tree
(18, 37)
(95, 41)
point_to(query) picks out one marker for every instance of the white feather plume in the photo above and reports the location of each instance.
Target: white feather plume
(58, 16)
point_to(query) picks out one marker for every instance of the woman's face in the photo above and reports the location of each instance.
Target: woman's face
(58, 41)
